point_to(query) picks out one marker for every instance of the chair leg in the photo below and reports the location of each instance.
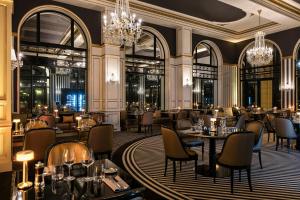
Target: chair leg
(268, 136)
(281, 142)
(232, 175)
(259, 157)
(288, 145)
(203, 152)
(151, 130)
(274, 136)
(249, 178)
(240, 175)
(180, 163)
(196, 168)
(277, 143)
(166, 166)
(174, 171)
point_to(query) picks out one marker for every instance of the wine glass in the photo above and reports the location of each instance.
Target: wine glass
(69, 159)
(87, 160)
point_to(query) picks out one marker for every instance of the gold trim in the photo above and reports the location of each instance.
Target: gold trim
(197, 22)
(96, 45)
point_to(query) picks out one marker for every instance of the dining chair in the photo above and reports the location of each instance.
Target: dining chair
(175, 151)
(284, 130)
(38, 140)
(49, 119)
(241, 123)
(257, 127)
(54, 155)
(236, 154)
(100, 140)
(269, 124)
(147, 122)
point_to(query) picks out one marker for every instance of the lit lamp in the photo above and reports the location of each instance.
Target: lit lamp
(78, 121)
(216, 111)
(297, 115)
(16, 121)
(55, 113)
(25, 156)
(83, 111)
(212, 123)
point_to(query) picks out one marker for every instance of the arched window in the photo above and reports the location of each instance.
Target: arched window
(205, 76)
(260, 84)
(145, 73)
(55, 59)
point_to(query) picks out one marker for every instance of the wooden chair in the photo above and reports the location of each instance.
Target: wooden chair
(175, 152)
(237, 154)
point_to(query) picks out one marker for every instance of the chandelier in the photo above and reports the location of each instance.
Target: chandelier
(16, 61)
(260, 54)
(123, 28)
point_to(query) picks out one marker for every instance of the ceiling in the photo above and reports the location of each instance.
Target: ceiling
(231, 20)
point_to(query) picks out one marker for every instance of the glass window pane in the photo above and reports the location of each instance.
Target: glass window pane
(79, 38)
(28, 30)
(55, 28)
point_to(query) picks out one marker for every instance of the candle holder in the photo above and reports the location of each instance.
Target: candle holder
(25, 156)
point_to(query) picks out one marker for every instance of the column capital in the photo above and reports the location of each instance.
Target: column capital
(6, 2)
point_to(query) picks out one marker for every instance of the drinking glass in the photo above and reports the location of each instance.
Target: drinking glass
(87, 161)
(69, 159)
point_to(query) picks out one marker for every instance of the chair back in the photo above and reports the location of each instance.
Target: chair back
(237, 149)
(88, 122)
(38, 140)
(172, 144)
(183, 114)
(147, 118)
(157, 114)
(49, 119)
(36, 124)
(284, 128)
(256, 127)
(183, 124)
(228, 112)
(241, 122)
(100, 138)
(55, 152)
(206, 119)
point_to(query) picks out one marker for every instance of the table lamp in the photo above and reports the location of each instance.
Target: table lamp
(16, 121)
(216, 111)
(212, 123)
(78, 121)
(25, 156)
(55, 111)
(83, 111)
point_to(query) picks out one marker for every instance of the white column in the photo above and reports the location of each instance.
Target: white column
(288, 80)
(228, 85)
(184, 63)
(110, 78)
(5, 84)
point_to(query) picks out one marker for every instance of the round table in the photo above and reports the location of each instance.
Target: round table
(210, 169)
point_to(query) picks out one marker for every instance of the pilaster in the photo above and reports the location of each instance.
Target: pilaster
(5, 84)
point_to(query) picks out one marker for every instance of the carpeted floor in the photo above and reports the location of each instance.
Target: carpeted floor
(279, 179)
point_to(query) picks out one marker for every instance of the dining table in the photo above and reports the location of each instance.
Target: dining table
(95, 189)
(211, 135)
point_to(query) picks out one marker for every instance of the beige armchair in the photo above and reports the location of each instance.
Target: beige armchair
(100, 140)
(147, 122)
(284, 130)
(175, 152)
(237, 154)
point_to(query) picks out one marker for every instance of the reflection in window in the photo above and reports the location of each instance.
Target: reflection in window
(260, 84)
(205, 76)
(55, 59)
(145, 73)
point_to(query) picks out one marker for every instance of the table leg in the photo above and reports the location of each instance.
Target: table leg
(297, 126)
(139, 124)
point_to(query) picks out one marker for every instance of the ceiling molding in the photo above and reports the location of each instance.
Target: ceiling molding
(165, 17)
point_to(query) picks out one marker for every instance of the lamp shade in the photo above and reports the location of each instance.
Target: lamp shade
(25, 155)
(13, 55)
(78, 118)
(16, 120)
(213, 119)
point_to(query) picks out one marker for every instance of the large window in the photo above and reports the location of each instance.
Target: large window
(55, 58)
(145, 73)
(260, 84)
(205, 76)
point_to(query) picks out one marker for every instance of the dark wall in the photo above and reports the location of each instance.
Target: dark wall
(91, 18)
(168, 33)
(228, 49)
(286, 40)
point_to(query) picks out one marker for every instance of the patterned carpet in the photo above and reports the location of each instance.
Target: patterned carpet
(279, 179)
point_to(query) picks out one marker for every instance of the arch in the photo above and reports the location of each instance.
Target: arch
(80, 23)
(296, 49)
(215, 48)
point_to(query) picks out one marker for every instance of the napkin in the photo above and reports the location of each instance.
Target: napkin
(117, 184)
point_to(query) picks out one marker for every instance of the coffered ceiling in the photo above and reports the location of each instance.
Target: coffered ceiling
(231, 20)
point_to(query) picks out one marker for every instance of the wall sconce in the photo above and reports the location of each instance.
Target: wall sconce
(16, 121)
(25, 156)
(187, 83)
(16, 61)
(286, 86)
(112, 79)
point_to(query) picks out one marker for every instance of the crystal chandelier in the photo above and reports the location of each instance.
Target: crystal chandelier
(122, 28)
(260, 54)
